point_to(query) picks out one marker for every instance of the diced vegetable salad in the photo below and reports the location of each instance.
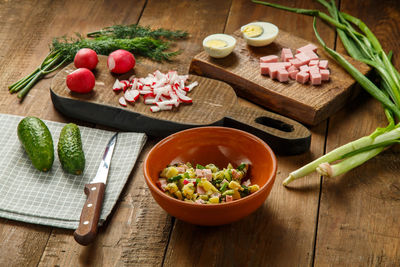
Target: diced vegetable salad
(206, 184)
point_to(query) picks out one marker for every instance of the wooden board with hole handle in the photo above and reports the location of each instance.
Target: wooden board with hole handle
(214, 103)
(306, 103)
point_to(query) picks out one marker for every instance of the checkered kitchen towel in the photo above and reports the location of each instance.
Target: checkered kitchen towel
(56, 198)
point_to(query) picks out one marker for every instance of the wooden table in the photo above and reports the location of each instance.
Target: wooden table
(352, 220)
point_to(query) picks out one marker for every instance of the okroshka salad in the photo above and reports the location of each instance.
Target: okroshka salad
(206, 184)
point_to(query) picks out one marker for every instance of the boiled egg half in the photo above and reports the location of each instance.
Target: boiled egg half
(219, 45)
(259, 33)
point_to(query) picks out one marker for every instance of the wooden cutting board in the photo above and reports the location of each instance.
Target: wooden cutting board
(214, 103)
(306, 103)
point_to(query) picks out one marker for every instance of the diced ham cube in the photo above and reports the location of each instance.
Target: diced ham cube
(313, 62)
(283, 75)
(246, 183)
(208, 174)
(295, 62)
(273, 73)
(293, 73)
(181, 169)
(304, 59)
(264, 69)
(269, 59)
(309, 47)
(305, 68)
(200, 201)
(324, 74)
(286, 54)
(311, 55)
(199, 173)
(302, 77)
(315, 78)
(314, 69)
(323, 64)
(229, 198)
(162, 183)
(200, 190)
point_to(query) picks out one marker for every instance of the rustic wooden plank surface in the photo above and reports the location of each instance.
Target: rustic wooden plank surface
(358, 213)
(358, 222)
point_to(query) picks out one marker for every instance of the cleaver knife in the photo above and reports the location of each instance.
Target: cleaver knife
(87, 228)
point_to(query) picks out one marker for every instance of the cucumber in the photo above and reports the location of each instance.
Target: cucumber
(36, 139)
(70, 151)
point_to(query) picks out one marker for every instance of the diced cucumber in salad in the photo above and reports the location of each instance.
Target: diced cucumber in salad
(206, 184)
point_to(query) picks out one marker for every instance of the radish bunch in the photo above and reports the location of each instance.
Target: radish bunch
(161, 91)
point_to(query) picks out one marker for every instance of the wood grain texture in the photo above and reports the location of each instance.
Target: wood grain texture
(282, 231)
(358, 223)
(303, 102)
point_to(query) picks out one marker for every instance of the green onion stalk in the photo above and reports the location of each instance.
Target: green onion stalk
(137, 39)
(361, 44)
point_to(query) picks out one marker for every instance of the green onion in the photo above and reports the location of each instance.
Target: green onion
(186, 175)
(223, 187)
(241, 166)
(363, 46)
(174, 179)
(201, 167)
(228, 192)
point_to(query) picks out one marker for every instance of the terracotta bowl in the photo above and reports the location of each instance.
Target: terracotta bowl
(218, 145)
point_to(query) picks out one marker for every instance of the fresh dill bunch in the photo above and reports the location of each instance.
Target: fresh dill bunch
(143, 46)
(135, 30)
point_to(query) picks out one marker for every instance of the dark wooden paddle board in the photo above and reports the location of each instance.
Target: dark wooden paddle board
(214, 103)
(305, 103)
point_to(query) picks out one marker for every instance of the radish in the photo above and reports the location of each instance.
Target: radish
(122, 101)
(81, 80)
(120, 61)
(86, 58)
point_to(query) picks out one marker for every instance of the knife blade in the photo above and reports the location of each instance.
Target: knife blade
(87, 228)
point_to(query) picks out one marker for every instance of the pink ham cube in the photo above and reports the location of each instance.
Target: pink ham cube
(265, 67)
(295, 62)
(302, 77)
(269, 59)
(311, 55)
(313, 62)
(208, 174)
(200, 190)
(323, 64)
(229, 198)
(304, 59)
(199, 173)
(273, 72)
(315, 78)
(324, 74)
(314, 69)
(309, 47)
(283, 75)
(305, 68)
(286, 54)
(293, 72)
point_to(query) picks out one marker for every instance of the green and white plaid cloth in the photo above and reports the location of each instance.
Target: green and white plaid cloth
(56, 198)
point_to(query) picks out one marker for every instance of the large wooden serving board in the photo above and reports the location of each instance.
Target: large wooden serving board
(214, 103)
(306, 103)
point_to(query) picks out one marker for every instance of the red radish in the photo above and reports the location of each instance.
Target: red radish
(121, 61)
(122, 101)
(81, 81)
(86, 58)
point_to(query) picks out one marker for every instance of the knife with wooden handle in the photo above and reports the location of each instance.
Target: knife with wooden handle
(87, 228)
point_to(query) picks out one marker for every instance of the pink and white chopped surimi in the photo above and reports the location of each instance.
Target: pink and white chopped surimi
(122, 101)
(163, 90)
(269, 59)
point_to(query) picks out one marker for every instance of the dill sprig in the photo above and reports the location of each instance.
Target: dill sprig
(135, 30)
(141, 41)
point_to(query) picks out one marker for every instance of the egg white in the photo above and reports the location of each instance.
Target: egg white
(219, 52)
(270, 32)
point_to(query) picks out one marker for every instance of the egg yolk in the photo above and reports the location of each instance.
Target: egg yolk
(216, 43)
(252, 30)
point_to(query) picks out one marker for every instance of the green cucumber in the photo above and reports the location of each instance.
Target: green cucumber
(36, 139)
(70, 151)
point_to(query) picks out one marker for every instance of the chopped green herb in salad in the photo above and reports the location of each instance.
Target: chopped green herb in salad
(206, 184)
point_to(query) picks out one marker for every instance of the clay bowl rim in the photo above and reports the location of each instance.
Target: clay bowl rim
(165, 197)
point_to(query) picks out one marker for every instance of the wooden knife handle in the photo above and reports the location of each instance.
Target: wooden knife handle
(285, 136)
(87, 229)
